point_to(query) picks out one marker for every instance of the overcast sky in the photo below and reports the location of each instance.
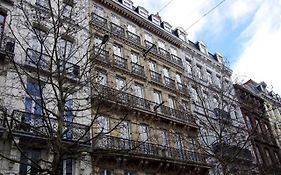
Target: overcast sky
(246, 32)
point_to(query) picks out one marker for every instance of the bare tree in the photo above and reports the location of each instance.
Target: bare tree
(223, 135)
(52, 99)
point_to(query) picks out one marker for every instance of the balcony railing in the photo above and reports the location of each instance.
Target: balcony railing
(155, 76)
(117, 29)
(170, 83)
(133, 37)
(101, 21)
(232, 151)
(164, 52)
(177, 60)
(101, 55)
(35, 124)
(149, 44)
(120, 62)
(7, 44)
(129, 100)
(138, 69)
(139, 148)
(182, 88)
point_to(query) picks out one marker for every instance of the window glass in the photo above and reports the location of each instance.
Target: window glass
(172, 102)
(2, 23)
(99, 11)
(138, 90)
(117, 50)
(101, 78)
(135, 57)
(164, 137)
(157, 97)
(132, 29)
(120, 83)
(153, 66)
(115, 20)
(143, 129)
(102, 124)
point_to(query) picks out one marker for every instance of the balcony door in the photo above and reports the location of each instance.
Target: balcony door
(115, 19)
(153, 66)
(166, 72)
(178, 78)
(125, 134)
(135, 57)
(143, 130)
(179, 146)
(103, 130)
(172, 102)
(132, 29)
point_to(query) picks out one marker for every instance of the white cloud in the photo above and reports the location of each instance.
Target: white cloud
(260, 58)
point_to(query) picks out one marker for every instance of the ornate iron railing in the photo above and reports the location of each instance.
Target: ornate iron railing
(101, 21)
(133, 37)
(169, 83)
(138, 69)
(149, 44)
(120, 62)
(129, 100)
(155, 76)
(148, 149)
(36, 124)
(164, 52)
(117, 29)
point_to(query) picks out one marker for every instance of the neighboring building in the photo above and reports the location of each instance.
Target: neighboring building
(141, 75)
(254, 108)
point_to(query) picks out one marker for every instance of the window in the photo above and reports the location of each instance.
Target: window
(67, 10)
(166, 72)
(172, 102)
(188, 66)
(138, 90)
(67, 167)
(143, 12)
(248, 122)
(157, 97)
(268, 157)
(106, 172)
(32, 103)
(199, 71)
(99, 11)
(124, 130)
(132, 29)
(148, 37)
(2, 24)
(128, 3)
(43, 3)
(167, 27)
(179, 145)
(203, 48)
(117, 50)
(258, 154)
(194, 95)
(178, 78)
(218, 81)
(143, 129)
(115, 19)
(185, 105)
(182, 35)
(101, 78)
(192, 148)
(209, 77)
(129, 173)
(68, 118)
(174, 51)
(155, 19)
(28, 167)
(153, 66)
(215, 102)
(161, 44)
(66, 49)
(135, 57)
(102, 124)
(120, 83)
(164, 137)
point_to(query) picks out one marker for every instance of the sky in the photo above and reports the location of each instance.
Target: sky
(246, 32)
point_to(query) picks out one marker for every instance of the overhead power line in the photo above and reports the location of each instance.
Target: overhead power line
(166, 5)
(205, 14)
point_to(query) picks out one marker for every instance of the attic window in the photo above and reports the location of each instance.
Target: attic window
(203, 48)
(167, 27)
(143, 12)
(155, 20)
(128, 3)
(182, 35)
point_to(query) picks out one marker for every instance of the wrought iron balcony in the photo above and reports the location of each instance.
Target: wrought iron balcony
(133, 37)
(7, 45)
(163, 52)
(232, 151)
(150, 150)
(138, 69)
(35, 124)
(101, 55)
(129, 100)
(155, 77)
(169, 83)
(120, 62)
(117, 29)
(182, 88)
(177, 60)
(101, 21)
(149, 44)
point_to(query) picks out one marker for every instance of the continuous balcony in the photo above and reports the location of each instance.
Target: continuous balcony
(99, 20)
(120, 62)
(101, 55)
(155, 77)
(169, 83)
(133, 37)
(131, 101)
(149, 150)
(7, 45)
(138, 69)
(117, 29)
(29, 124)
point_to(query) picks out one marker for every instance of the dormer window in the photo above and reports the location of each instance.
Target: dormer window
(181, 34)
(128, 3)
(155, 19)
(142, 12)
(167, 26)
(202, 47)
(219, 57)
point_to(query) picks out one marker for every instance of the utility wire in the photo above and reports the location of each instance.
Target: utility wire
(208, 12)
(166, 5)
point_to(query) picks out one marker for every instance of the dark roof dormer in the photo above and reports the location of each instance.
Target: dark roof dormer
(166, 26)
(127, 3)
(180, 33)
(142, 11)
(219, 57)
(156, 19)
(202, 47)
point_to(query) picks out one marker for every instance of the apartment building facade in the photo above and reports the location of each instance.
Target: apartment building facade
(255, 113)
